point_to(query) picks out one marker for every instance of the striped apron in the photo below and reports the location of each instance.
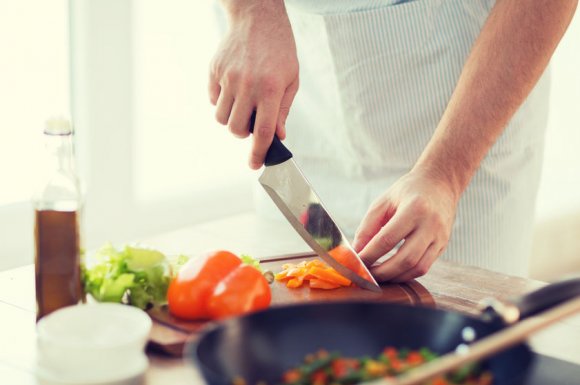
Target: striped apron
(375, 78)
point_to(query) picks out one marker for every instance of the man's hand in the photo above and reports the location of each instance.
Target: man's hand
(508, 57)
(419, 210)
(255, 68)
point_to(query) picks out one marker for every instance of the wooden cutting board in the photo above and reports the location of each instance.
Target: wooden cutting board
(169, 334)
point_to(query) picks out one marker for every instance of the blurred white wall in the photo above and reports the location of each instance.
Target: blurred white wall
(556, 248)
(34, 85)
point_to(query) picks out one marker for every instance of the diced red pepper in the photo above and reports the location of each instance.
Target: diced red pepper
(291, 376)
(318, 377)
(414, 358)
(343, 366)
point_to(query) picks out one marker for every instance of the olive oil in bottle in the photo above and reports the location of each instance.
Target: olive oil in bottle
(57, 205)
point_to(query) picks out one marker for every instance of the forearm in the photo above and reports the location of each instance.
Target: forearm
(510, 54)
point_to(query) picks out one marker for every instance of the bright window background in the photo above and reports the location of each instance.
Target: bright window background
(559, 192)
(154, 159)
(34, 85)
(179, 147)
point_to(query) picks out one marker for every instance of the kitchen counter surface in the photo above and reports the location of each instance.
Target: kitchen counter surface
(452, 286)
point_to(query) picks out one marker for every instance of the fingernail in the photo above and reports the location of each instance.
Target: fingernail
(255, 166)
(356, 245)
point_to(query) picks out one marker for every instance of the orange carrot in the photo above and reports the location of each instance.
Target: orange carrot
(316, 283)
(295, 282)
(329, 275)
(315, 273)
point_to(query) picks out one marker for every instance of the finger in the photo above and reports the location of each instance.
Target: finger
(214, 89)
(374, 220)
(264, 128)
(422, 267)
(224, 107)
(239, 121)
(397, 228)
(285, 105)
(405, 259)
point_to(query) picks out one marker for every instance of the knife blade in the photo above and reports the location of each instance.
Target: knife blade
(296, 199)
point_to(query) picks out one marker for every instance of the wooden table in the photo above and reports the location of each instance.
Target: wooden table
(452, 286)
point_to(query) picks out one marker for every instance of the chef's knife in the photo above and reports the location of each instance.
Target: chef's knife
(297, 200)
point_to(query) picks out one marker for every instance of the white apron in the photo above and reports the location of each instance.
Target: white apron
(375, 78)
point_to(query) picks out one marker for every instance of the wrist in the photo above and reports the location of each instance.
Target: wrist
(244, 9)
(452, 156)
(445, 177)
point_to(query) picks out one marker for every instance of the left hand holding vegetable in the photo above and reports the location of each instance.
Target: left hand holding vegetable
(419, 210)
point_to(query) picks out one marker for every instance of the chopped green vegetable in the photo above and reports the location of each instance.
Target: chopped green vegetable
(318, 363)
(460, 375)
(427, 354)
(136, 275)
(178, 263)
(324, 242)
(251, 261)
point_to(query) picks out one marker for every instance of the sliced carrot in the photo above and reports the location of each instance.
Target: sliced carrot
(315, 262)
(314, 272)
(282, 276)
(297, 272)
(302, 264)
(316, 283)
(329, 275)
(348, 258)
(295, 282)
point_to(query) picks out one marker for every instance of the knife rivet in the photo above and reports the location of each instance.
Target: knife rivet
(468, 334)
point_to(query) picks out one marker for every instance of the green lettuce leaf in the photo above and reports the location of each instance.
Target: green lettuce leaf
(248, 260)
(136, 275)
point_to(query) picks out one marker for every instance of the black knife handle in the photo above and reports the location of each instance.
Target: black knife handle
(532, 303)
(548, 297)
(277, 153)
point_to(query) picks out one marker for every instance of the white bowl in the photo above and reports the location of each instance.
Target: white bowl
(92, 344)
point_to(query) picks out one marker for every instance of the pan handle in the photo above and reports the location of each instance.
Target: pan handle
(277, 153)
(533, 303)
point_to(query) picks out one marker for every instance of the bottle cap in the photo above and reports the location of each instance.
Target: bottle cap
(58, 126)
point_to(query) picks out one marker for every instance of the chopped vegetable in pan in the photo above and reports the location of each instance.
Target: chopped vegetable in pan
(324, 368)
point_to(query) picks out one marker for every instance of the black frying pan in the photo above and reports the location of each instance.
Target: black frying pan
(261, 346)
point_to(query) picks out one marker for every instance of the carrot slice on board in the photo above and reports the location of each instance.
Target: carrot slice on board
(295, 282)
(297, 271)
(314, 273)
(315, 262)
(316, 283)
(282, 276)
(329, 275)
